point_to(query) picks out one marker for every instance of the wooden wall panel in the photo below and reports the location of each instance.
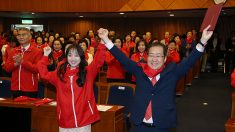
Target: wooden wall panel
(103, 5)
(121, 26)
(1, 25)
(124, 26)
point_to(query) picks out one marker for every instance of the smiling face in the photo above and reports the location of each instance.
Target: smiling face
(167, 35)
(141, 47)
(83, 45)
(177, 39)
(39, 40)
(128, 38)
(57, 45)
(73, 58)
(156, 58)
(118, 43)
(171, 46)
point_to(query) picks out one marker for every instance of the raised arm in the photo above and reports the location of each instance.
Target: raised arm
(197, 52)
(98, 60)
(127, 63)
(42, 67)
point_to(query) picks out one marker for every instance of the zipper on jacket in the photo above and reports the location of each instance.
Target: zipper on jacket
(20, 71)
(74, 113)
(32, 79)
(19, 76)
(92, 112)
(59, 114)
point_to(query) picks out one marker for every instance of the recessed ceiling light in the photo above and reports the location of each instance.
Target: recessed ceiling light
(32, 13)
(172, 15)
(81, 16)
(121, 13)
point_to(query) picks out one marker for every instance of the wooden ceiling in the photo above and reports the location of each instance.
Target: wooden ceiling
(104, 5)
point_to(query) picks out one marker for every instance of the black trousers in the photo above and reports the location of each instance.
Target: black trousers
(144, 128)
(16, 94)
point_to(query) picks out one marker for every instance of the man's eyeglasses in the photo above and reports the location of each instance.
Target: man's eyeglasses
(22, 35)
(156, 56)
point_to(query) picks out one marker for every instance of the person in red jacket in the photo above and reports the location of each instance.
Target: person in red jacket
(172, 53)
(233, 79)
(22, 63)
(115, 72)
(73, 80)
(128, 45)
(140, 55)
(6, 50)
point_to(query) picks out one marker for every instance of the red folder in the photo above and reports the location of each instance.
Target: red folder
(211, 17)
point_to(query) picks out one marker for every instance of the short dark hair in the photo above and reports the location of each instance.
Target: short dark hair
(117, 37)
(158, 44)
(172, 41)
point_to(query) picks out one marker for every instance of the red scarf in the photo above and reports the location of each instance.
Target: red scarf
(189, 40)
(70, 72)
(57, 54)
(140, 56)
(151, 72)
(179, 43)
(167, 40)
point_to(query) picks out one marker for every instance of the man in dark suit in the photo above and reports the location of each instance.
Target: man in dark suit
(214, 51)
(153, 108)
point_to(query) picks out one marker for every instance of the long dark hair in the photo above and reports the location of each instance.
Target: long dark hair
(82, 66)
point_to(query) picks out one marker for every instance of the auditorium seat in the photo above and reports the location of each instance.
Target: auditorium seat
(96, 92)
(5, 85)
(100, 92)
(121, 94)
(41, 87)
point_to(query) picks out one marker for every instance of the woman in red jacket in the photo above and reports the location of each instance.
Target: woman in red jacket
(115, 72)
(233, 79)
(140, 55)
(172, 53)
(73, 79)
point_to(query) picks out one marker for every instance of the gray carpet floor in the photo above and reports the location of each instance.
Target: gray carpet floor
(206, 105)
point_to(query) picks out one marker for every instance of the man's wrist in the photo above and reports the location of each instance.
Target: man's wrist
(106, 40)
(203, 41)
(202, 44)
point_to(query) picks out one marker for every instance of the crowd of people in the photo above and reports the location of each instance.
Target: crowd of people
(133, 44)
(72, 63)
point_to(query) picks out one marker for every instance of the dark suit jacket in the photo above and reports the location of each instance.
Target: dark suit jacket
(211, 46)
(162, 94)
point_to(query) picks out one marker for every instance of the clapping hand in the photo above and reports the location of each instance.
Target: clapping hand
(18, 59)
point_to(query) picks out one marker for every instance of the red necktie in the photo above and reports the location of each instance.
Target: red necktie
(23, 49)
(148, 113)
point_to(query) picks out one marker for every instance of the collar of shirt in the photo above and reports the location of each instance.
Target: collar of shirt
(26, 47)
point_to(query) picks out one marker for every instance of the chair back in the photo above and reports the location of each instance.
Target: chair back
(120, 94)
(100, 89)
(41, 88)
(5, 87)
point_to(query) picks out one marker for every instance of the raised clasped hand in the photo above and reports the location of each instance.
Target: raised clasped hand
(47, 50)
(206, 35)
